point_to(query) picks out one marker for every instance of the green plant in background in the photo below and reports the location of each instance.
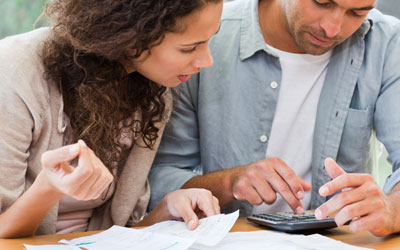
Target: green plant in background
(18, 16)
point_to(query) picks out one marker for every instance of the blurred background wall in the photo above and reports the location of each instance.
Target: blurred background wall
(17, 16)
(390, 7)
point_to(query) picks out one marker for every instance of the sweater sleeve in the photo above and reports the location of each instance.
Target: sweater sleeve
(20, 114)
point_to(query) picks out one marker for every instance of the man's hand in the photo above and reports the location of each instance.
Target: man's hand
(259, 182)
(361, 201)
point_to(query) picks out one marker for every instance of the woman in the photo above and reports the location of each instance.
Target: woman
(83, 107)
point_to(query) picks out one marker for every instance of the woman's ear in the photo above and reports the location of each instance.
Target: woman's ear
(128, 62)
(131, 53)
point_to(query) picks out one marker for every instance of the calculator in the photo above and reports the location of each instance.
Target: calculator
(289, 221)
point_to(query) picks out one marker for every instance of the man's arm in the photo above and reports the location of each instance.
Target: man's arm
(178, 155)
(178, 158)
(361, 199)
(256, 183)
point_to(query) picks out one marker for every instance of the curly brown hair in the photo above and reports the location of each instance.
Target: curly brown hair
(91, 38)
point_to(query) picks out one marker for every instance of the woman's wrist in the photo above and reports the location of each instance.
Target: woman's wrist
(43, 186)
(158, 214)
(164, 212)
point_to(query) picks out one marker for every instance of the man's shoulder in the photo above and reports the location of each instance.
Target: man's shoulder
(231, 22)
(236, 15)
(384, 26)
(233, 10)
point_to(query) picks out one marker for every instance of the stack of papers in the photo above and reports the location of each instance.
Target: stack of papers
(212, 233)
(264, 239)
(117, 238)
(167, 235)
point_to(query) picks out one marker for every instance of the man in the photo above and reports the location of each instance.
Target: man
(296, 89)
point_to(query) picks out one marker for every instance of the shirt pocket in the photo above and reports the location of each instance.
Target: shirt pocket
(354, 146)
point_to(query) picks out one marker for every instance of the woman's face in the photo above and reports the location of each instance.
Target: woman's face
(180, 55)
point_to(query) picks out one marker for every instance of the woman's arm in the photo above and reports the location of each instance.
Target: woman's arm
(24, 217)
(85, 182)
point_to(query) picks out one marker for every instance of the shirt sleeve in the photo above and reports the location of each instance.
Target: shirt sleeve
(387, 113)
(17, 124)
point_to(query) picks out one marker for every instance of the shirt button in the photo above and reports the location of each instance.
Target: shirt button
(263, 138)
(274, 84)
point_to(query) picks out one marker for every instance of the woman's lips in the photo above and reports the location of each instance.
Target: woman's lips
(184, 78)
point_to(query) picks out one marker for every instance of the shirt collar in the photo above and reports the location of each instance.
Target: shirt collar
(365, 27)
(251, 38)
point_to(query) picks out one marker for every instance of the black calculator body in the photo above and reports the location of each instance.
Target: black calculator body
(290, 222)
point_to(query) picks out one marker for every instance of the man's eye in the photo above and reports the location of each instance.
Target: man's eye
(321, 4)
(358, 14)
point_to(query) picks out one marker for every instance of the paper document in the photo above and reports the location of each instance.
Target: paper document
(123, 238)
(212, 233)
(209, 232)
(50, 247)
(167, 235)
(263, 239)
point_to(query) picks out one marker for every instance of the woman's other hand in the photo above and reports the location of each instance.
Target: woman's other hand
(186, 204)
(86, 181)
(192, 204)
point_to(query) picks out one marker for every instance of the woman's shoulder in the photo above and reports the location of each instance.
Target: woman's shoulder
(21, 67)
(23, 48)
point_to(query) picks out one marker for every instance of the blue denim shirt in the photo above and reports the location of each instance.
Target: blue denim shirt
(221, 114)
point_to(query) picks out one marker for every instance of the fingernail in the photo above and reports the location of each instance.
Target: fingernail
(73, 149)
(82, 143)
(300, 195)
(318, 214)
(323, 191)
(191, 224)
(299, 210)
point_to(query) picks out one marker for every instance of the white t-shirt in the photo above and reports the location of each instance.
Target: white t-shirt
(291, 137)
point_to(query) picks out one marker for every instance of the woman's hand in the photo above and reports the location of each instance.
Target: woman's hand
(57, 178)
(86, 181)
(190, 204)
(187, 204)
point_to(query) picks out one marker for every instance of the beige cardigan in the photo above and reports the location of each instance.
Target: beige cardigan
(31, 123)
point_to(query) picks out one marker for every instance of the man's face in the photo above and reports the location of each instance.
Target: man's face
(319, 25)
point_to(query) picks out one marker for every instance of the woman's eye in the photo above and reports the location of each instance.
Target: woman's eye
(187, 51)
